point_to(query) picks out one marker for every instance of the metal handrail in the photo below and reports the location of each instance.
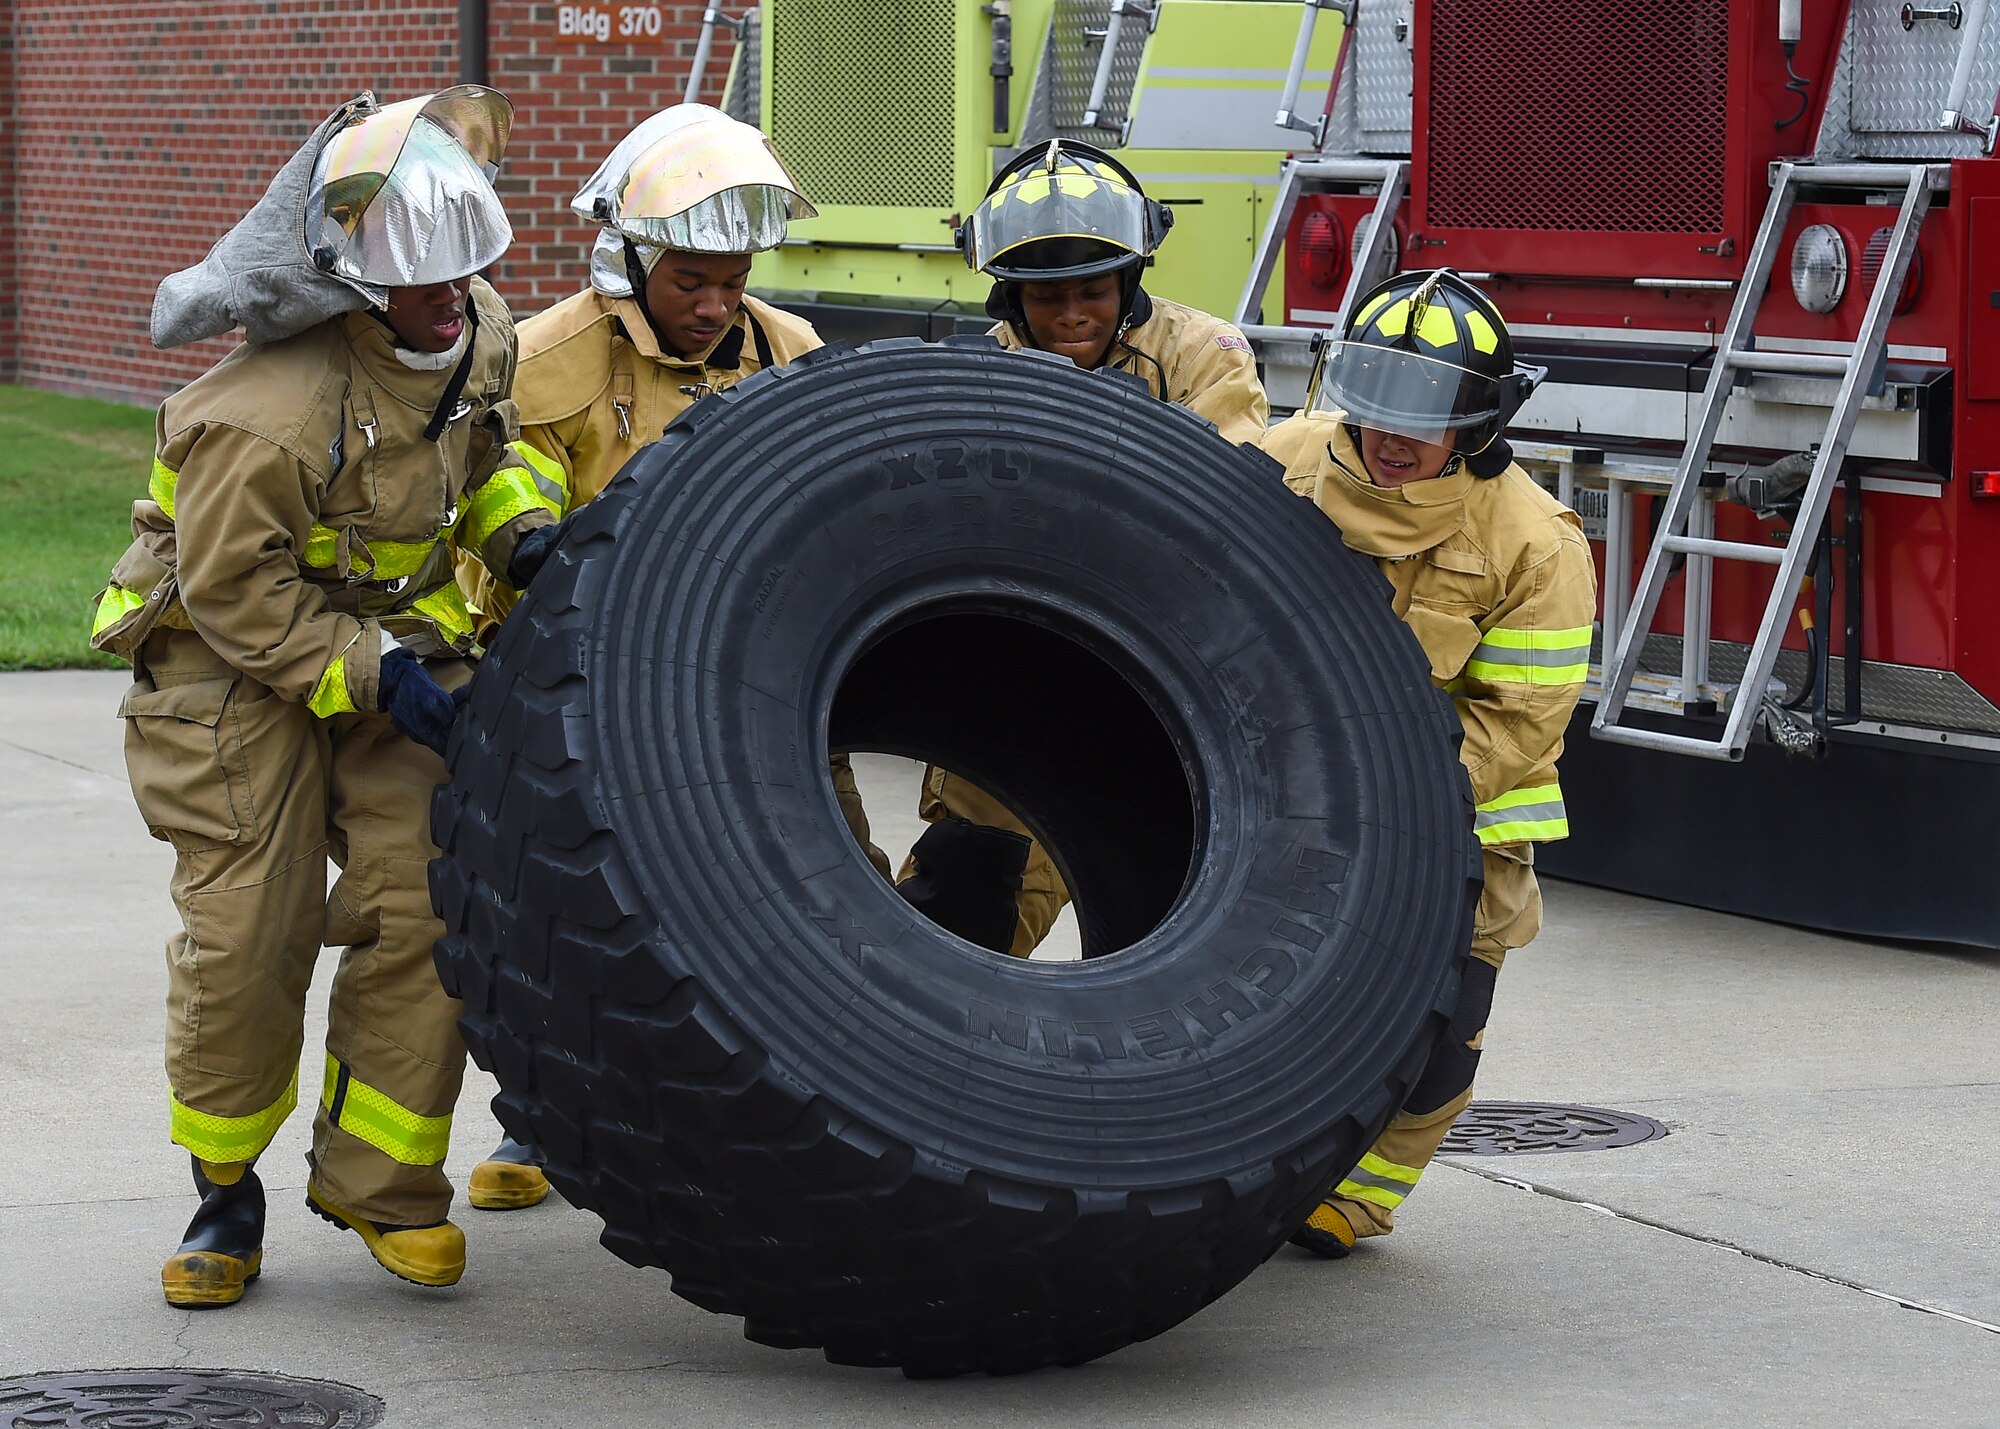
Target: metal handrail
(1109, 36)
(1288, 103)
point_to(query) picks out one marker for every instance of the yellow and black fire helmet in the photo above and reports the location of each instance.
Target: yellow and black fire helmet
(1424, 354)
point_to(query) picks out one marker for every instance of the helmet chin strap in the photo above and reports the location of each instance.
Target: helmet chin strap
(636, 275)
(1005, 303)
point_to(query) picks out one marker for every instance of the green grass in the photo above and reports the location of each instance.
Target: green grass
(70, 469)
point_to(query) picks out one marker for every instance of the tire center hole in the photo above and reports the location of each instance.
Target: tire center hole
(1026, 731)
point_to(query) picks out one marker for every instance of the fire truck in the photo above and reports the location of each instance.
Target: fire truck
(1755, 245)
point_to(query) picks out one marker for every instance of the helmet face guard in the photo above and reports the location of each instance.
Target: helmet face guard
(693, 179)
(1425, 356)
(1065, 211)
(403, 196)
(1424, 398)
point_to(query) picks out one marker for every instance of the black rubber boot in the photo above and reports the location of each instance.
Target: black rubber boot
(966, 880)
(223, 1250)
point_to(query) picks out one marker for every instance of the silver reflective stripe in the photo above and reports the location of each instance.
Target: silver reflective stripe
(552, 490)
(1510, 655)
(1358, 1177)
(1520, 814)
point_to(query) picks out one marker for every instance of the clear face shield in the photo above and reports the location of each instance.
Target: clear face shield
(691, 178)
(404, 197)
(1423, 398)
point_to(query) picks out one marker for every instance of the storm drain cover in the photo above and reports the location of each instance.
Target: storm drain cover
(1528, 1128)
(183, 1399)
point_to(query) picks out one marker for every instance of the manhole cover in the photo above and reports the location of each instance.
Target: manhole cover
(182, 1399)
(1527, 1128)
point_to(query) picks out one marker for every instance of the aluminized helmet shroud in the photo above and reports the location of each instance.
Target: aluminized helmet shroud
(260, 275)
(689, 179)
(403, 197)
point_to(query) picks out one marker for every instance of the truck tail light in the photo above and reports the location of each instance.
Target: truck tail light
(1872, 254)
(1322, 249)
(1986, 483)
(1387, 266)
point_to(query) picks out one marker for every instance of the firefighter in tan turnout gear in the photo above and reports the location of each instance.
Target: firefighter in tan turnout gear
(683, 201)
(1400, 444)
(1065, 231)
(295, 631)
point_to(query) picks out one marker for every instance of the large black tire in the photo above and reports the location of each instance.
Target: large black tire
(762, 1068)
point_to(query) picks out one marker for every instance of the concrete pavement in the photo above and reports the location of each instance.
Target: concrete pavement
(1815, 1242)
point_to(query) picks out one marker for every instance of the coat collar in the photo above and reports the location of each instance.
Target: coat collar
(1390, 522)
(374, 346)
(726, 352)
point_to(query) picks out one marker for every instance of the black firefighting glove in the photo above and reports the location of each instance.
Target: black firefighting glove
(531, 553)
(967, 876)
(415, 702)
(1773, 491)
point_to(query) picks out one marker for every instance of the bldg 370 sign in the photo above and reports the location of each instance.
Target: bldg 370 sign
(604, 23)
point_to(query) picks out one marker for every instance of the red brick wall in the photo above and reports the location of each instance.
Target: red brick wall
(7, 304)
(142, 129)
(573, 100)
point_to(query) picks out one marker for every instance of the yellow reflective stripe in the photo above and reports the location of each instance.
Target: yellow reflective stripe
(113, 606)
(1536, 639)
(231, 1138)
(1532, 657)
(320, 543)
(1522, 816)
(1494, 673)
(547, 471)
(512, 492)
(446, 605)
(1390, 1170)
(393, 559)
(329, 696)
(1379, 1182)
(375, 1117)
(162, 486)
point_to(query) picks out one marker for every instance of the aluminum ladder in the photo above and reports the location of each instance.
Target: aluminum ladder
(1297, 175)
(1687, 520)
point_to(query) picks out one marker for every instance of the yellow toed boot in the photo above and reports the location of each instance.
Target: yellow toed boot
(422, 1255)
(509, 1179)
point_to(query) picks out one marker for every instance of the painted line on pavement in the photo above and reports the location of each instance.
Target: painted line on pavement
(1757, 1255)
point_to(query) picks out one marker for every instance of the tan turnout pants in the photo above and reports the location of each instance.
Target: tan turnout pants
(1042, 897)
(1509, 916)
(849, 795)
(255, 793)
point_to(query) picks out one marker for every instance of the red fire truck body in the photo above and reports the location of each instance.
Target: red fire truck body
(1604, 171)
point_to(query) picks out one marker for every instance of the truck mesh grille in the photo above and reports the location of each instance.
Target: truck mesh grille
(1610, 116)
(864, 99)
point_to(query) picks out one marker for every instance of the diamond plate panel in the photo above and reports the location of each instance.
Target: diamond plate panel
(1903, 77)
(1889, 87)
(1371, 98)
(1894, 694)
(1384, 78)
(1072, 66)
(746, 84)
